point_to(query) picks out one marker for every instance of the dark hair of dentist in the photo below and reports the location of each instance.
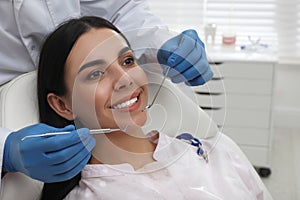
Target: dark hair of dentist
(52, 61)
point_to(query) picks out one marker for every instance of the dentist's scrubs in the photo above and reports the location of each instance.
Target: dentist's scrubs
(178, 173)
(25, 23)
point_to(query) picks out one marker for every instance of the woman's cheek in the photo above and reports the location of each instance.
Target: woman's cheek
(83, 105)
(101, 103)
(139, 76)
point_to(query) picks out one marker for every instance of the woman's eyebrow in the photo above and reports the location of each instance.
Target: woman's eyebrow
(91, 64)
(100, 61)
(122, 51)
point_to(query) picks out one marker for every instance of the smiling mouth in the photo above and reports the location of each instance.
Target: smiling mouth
(127, 103)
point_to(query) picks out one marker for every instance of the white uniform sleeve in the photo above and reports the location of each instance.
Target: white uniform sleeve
(145, 31)
(125, 14)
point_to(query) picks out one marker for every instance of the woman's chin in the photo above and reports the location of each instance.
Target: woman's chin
(139, 120)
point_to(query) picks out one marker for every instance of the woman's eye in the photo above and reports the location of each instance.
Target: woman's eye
(95, 75)
(128, 61)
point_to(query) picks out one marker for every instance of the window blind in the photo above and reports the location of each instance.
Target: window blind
(179, 14)
(248, 20)
(275, 23)
(288, 29)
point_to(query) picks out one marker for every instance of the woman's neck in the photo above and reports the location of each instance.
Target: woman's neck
(134, 141)
(119, 147)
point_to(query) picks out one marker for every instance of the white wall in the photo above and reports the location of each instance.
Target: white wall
(286, 102)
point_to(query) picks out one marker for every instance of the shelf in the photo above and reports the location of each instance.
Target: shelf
(223, 53)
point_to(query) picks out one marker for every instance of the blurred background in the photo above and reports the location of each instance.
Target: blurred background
(254, 50)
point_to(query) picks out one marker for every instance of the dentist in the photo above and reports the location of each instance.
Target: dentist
(23, 27)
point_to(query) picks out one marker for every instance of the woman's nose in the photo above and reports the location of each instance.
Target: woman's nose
(123, 79)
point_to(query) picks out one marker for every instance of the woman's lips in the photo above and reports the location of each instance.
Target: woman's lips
(128, 104)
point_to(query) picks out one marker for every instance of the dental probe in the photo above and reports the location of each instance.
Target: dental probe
(162, 82)
(93, 131)
(160, 86)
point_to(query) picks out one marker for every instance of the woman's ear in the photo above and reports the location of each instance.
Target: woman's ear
(60, 106)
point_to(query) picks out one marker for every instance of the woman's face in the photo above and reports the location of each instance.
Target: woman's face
(105, 86)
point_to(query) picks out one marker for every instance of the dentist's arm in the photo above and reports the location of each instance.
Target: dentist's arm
(185, 53)
(48, 159)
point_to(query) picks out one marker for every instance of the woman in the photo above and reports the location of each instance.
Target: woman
(22, 32)
(88, 74)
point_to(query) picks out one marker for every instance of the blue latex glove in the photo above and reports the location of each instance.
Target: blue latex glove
(186, 55)
(48, 159)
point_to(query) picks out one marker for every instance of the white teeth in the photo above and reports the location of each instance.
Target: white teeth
(125, 104)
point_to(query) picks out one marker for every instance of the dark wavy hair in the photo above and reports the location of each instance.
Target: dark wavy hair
(51, 73)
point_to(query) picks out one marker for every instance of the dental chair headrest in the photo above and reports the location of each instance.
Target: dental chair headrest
(18, 98)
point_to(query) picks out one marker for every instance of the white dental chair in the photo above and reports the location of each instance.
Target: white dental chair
(19, 108)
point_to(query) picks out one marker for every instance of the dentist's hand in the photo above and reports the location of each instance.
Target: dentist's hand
(186, 55)
(48, 159)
